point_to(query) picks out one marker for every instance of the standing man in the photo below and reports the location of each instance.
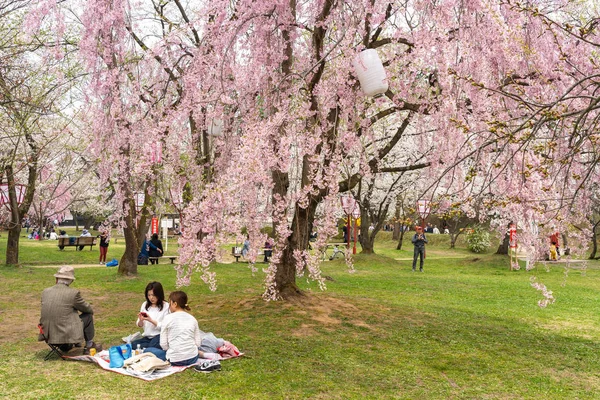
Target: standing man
(60, 319)
(419, 241)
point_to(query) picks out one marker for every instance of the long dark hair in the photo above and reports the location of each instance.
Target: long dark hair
(157, 288)
(180, 298)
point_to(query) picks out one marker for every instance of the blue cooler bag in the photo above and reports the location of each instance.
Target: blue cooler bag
(118, 355)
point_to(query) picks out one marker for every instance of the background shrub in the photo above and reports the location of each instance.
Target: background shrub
(478, 240)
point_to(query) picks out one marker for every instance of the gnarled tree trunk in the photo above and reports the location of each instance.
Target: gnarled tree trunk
(285, 277)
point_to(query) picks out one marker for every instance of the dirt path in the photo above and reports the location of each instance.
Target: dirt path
(76, 266)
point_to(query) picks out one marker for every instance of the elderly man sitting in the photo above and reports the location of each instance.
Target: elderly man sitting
(60, 319)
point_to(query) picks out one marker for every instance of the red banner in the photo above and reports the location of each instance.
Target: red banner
(154, 225)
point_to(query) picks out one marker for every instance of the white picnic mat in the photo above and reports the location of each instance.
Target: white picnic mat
(101, 359)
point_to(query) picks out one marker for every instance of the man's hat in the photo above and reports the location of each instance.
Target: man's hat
(66, 272)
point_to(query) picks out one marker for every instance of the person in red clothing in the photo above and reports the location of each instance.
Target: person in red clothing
(554, 245)
(104, 242)
(512, 243)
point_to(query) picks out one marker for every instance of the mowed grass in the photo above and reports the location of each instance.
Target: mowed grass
(46, 252)
(466, 328)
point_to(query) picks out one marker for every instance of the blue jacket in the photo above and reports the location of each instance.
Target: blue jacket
(419, 241)
(146, 246)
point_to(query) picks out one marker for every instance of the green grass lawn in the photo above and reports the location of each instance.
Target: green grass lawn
(46, 252)
(466, 328)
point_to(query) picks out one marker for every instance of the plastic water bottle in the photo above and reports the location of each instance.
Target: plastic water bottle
(138, 351)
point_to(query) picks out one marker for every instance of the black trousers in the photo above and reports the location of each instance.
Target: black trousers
(419, 252)
(88, 326)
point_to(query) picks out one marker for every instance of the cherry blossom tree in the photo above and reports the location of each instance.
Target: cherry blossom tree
(281, 78)
(501, 94)
(35, 76)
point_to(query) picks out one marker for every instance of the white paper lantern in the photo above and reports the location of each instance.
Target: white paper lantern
(216, 127)
(370, 72)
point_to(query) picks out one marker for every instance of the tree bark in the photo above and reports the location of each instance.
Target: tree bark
(134, 237)
(285, 277)
(503, 247)
(128, 262)
(76, 219)
(453, 237)
(566, 249)
(367, 239)
(400, 239)
(594, 241)
(396, 232)
(12, 246)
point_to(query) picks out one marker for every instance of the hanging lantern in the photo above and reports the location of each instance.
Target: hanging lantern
(370, 72)
(348, 203)
(139, 199)
(156, 153)
(216, 127)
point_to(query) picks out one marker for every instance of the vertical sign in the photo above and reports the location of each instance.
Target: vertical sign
(154, 225)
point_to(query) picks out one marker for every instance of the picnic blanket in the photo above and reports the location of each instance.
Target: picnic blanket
(102, 360)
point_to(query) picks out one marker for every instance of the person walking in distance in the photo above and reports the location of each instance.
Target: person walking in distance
(419, 240)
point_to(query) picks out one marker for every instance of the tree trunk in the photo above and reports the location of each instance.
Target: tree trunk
(12, 246)
(16, 211)
(128, 262)
(503, 247)
(285, 277)
(566, 249)
(367, 239)
(302, 225)
(396, 232)
(400, 239)
(134, 236)
(453, 237)
(76, 219)
(41, 228)
(594, 242)
(88, 222)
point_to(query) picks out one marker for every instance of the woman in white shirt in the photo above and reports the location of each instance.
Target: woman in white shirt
(181, 340)
(180, 336)
(151, 316)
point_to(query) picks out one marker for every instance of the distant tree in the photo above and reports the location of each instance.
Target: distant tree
(37, 73)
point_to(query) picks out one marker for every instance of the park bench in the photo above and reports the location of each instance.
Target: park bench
(76, 242)
(172, 258)
(237, 253)
(172, 235)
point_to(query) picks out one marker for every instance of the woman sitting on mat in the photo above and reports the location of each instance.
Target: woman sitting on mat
(151, 316)
(181, 340)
